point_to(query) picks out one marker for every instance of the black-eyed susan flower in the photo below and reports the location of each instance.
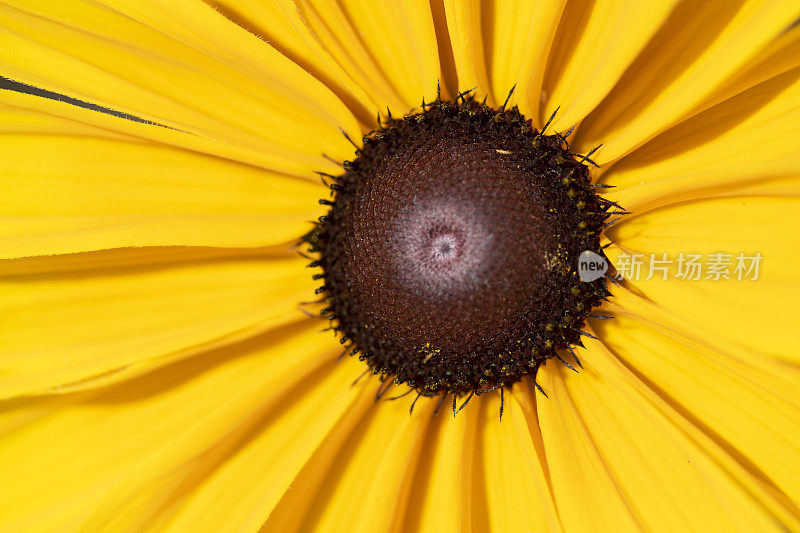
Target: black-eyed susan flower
(161, 201)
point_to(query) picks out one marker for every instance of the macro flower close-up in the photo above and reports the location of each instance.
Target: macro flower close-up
(399, 265)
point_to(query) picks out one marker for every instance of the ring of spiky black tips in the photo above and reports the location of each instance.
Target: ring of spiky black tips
(448, 257)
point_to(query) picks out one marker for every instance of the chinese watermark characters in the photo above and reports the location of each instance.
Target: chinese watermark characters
(689, 267)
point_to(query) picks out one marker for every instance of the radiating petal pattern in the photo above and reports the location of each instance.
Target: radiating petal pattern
(743, 141)
(73, 187)
(637, 458)
(240, 479)
(390, 47)
(25, 113)
(372, 58)
(446, 477)
(754, 313)
(282, 25)
(156, 438)
(295, 505)
(87, 327)
(697, 51)
(513, 488)
(156, 371)
(387, 444)
(150, 60)
(595, 44)
(759, 442)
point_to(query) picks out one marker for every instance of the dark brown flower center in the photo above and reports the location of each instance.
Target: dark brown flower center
(450, 251)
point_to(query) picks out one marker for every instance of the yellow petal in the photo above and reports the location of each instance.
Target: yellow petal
(583, 484)
(444, 487)
(282, 25)
(497, 46)
(697, 50)
(449, 81)
(18, 118)
(464, 26)
(779, 56)
(513, 492)
(399, 37)
(518, 36)
(749, 417)
(155, 438)
(772, 373)
(180, 64)
(747, 139)
(101, 325)
(240, 478)
(85, 264)
(389, 49)
(368, 485)
(25, 113)
(593, 48)
(72, 187)
(298, 498)
(757, 314)
(620, 457)
(529, 78)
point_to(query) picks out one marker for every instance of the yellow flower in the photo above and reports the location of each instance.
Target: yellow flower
(156, 373)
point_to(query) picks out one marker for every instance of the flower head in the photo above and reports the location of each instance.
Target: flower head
(161, 161)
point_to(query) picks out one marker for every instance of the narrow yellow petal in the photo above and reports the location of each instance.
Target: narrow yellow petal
(749, 417)
(180, 64)
(745, 140)
(25, 113)
(775, 372)
(154, 438)
(441, 500)
(779, 56)
(517, 492)
(85, 264)
(401, 38)
(594, 47)
(618, 457)
(497, 46)
(83, 191)
(466, 37)
(526, 63)
(329, 23)
(16, 118)
(301, 496)
(754, 313)
(64, 328)
(242, 477)
(584, 487)
(389, 48)
(449, 81)
(369, 484)
(281, 24)
(513, 33)
(697, 50)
